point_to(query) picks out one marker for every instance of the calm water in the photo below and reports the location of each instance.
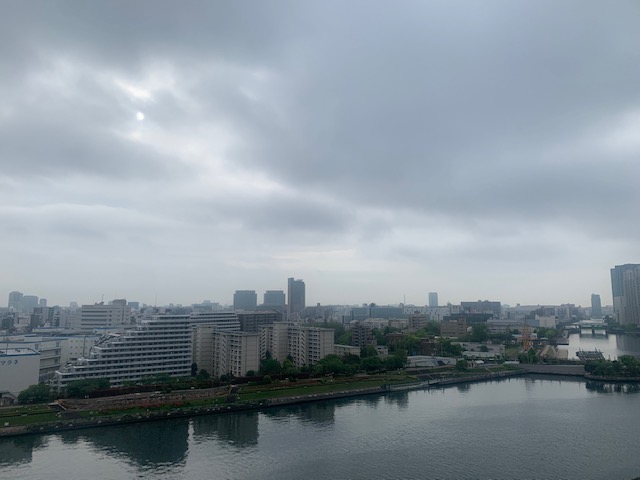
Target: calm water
(517, 428)
(612, 346)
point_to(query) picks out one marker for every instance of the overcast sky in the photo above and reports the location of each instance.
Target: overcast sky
(184, 150)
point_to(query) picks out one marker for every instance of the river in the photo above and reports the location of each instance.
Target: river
(611, 346)
(524, 427)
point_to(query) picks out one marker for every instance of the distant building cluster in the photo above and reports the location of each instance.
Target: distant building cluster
(126, 342)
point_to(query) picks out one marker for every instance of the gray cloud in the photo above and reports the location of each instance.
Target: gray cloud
(292, 128)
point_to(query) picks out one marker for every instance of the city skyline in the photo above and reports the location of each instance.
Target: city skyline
(189, 150)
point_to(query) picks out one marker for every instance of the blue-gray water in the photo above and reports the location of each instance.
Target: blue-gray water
(611, 346)
(517, 428)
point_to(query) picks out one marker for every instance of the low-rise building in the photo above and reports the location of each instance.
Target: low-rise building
(342, 350)
(453, 328)
(19, 368)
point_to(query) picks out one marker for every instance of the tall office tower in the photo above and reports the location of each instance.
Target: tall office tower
(42, 302)
(15, 301)
(619, 291)
(274, 298)
(29, 302)
(631, 282)
(596, 306)
(245, 300)
(296, 294)
(433, 299)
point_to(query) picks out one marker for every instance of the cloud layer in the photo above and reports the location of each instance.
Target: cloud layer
(482, 150)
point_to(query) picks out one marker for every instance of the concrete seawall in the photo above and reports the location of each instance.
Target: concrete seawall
(567, 370)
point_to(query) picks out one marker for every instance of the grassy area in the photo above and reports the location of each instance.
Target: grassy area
(36, 414)
(27, 415)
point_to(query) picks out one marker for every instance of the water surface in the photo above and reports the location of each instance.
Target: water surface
(516, 428)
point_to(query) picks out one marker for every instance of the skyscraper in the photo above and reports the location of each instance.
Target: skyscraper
(625, 286)
(296, 294)
(596, 306)
(274, 298)
(433, 299)
(245, 300)
(15, 301)
(631, 282)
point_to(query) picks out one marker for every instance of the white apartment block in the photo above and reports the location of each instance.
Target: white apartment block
(160, 344)
(77, 346)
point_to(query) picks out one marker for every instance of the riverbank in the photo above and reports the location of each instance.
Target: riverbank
(84, 414)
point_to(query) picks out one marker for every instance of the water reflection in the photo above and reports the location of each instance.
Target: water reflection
(608, 388)
(17, 450)
(144, 444)
(320, 413)
(238, 429)
(401, 399)
(628, 344)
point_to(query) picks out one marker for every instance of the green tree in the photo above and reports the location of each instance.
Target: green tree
(344, 339)
(39, 393)
(289, 367)
(479, 332)
(462, 365)
(82, 388)
(194, 369)
(203, 375)
(368, 351)
(270, 366)
(371, 364)
(448, 349)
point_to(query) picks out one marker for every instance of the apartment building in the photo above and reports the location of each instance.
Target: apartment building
(160, 344)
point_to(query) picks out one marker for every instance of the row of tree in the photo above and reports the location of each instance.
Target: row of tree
(625, 366)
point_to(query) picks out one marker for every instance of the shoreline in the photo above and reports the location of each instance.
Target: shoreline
(128, 418)
(180, 412)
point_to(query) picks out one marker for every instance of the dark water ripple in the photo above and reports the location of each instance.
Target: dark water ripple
(515, 429)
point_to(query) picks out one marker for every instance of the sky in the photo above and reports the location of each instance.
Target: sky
(173, 152)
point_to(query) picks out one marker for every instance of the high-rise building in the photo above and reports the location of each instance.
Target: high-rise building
(15, 301)
(274, 298)
(433, 299)
(296, 296)
(29, 302)
(596, 306)
(623, 288)
(631, 281)
(245, 300)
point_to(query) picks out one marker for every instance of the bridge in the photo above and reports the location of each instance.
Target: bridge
(589, 327)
